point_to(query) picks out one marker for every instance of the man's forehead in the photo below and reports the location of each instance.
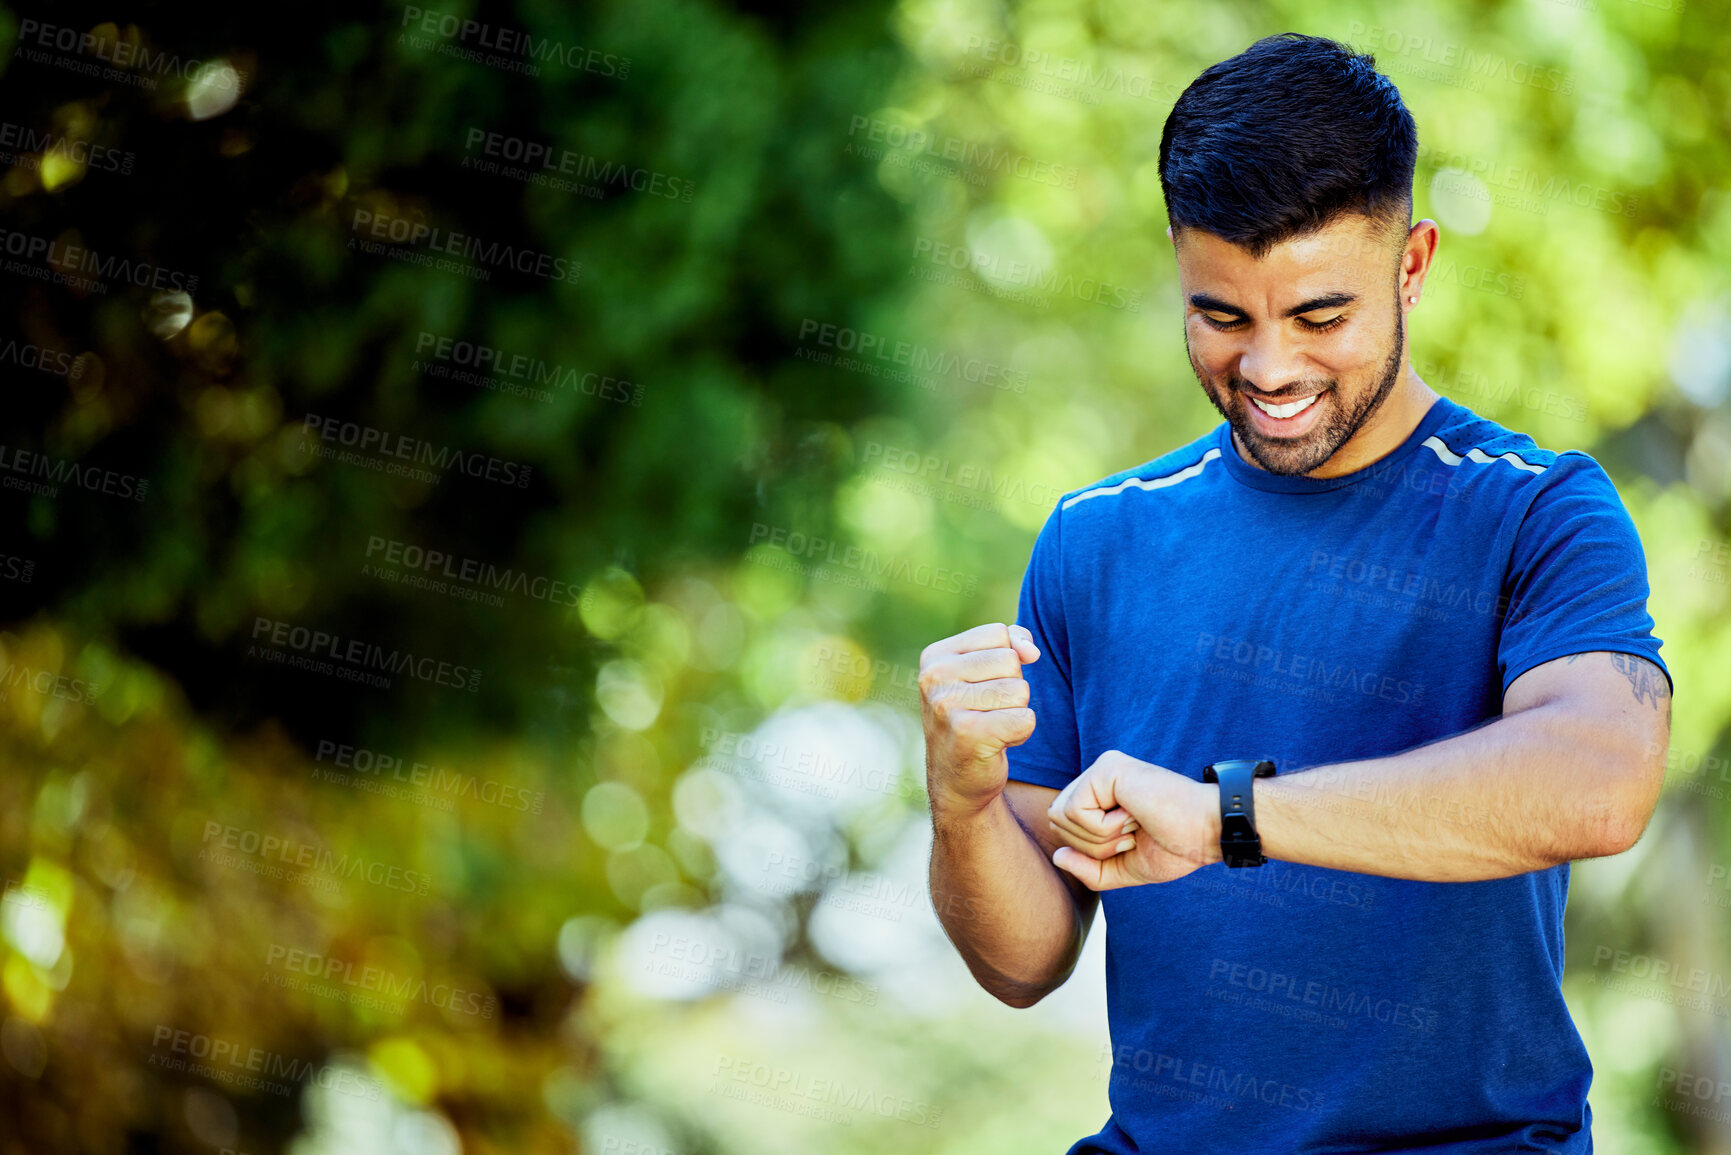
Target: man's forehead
(1349, 244)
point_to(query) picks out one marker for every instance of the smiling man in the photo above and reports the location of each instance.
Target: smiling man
(1433, 632)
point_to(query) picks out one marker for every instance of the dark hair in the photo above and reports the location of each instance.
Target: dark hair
(1283, 138)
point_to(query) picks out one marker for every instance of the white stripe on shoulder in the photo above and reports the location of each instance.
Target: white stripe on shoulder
(1184, 474)
(1476, 454)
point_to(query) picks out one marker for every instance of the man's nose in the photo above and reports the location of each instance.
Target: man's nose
(1270, 362)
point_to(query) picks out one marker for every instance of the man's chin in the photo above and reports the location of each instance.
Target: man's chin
(1284, 455)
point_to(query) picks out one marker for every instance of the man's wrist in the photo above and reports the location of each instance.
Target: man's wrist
(1209, 804)
(952, 809)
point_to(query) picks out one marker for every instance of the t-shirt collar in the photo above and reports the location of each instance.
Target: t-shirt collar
(1439, 412)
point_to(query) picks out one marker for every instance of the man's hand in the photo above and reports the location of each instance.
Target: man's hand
(1016, 919)
(1098, 813)
(974, 703)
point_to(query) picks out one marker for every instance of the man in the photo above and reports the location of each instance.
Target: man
(1435, 630)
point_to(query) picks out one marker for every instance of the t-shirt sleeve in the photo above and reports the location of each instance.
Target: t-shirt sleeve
(1050, 756)
(1577, 579)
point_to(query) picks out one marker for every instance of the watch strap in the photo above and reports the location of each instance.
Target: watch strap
(1240, 845)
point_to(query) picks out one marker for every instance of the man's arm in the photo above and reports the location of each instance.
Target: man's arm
(1016, 920)
(1572, 769)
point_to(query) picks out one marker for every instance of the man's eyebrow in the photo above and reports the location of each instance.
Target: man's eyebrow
(1214, 304)
(1326, 301)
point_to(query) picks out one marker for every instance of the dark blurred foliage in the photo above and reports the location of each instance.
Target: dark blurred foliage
(690, 307)
(697, 303)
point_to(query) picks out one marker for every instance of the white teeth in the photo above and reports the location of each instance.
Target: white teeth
(1291, 410)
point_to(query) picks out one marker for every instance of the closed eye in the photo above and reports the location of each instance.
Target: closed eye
(1231, 323)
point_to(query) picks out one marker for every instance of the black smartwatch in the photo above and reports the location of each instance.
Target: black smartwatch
(1239, 843)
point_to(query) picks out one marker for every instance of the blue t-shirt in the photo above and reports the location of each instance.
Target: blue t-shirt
(1196, 608)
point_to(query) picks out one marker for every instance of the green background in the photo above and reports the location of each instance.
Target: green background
(659, 885)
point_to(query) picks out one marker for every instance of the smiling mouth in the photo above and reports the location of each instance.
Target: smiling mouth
(1284, 411)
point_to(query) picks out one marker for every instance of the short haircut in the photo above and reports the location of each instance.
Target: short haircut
(1283, 138)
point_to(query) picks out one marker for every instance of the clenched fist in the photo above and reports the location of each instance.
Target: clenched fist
(974, 703)
(1092, 816)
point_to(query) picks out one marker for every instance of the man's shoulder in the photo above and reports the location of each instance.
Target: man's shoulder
(1488, 453)
(1164, 474)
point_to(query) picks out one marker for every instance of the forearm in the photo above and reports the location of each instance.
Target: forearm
(1525, 792)
(1013, 918)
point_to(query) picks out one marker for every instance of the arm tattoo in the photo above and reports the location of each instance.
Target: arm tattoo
(1644, 678)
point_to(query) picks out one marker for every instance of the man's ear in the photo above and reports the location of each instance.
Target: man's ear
(1169, 236)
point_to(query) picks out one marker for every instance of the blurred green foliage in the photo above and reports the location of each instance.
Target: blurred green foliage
(798, 424)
